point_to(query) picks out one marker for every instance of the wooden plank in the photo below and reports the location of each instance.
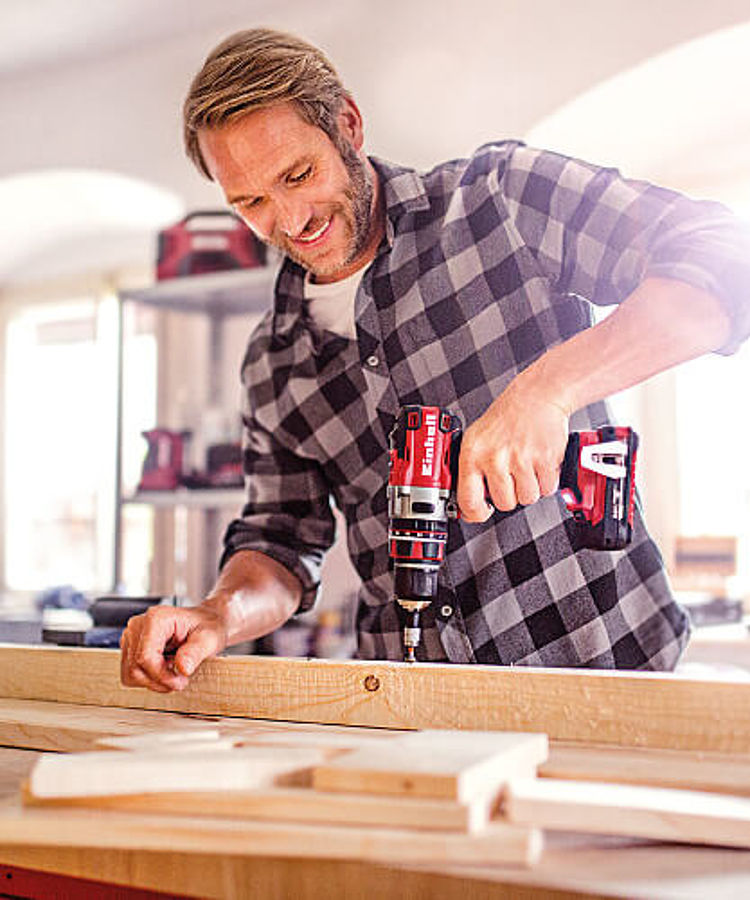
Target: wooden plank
(66, 727)
(182, 741)
(281, 804)
(661, 814)
(453, 765)
(106, 773)
(500, 843)
(627, 709)
(72, 728)
(718, 773)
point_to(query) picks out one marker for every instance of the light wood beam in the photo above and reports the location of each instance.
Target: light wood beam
(622, 708)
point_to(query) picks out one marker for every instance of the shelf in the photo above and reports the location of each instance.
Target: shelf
(233, 292)
(210, 498)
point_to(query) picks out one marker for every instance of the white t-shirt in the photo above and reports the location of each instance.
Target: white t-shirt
(331, 306)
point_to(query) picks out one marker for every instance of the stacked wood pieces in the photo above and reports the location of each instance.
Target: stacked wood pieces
(432, 793)
(666, 795)
(658, 813)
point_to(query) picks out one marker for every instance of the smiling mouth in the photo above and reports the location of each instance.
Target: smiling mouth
(316, 235)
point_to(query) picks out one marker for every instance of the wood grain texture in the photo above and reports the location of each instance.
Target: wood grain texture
(658, 813)
(454, 765)
(627, 709)
(694, 770)
(498, 843)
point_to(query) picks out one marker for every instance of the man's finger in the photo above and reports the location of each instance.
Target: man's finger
(548, 479)
(527, 486)
(138, 678)
(502, 491)
(201, 644)
(156, 629)
(471, 497)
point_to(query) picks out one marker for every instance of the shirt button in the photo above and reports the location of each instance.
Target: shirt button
(373, 361)
(446, 611)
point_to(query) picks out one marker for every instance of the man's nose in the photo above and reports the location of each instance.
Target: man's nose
(291, 216)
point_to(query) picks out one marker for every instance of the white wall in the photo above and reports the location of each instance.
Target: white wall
(433, 79)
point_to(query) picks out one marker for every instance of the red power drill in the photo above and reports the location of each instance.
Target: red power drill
(597, 483)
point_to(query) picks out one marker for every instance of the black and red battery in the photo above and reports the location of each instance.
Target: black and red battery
(163, 466)
(597, 484)
(207, 241)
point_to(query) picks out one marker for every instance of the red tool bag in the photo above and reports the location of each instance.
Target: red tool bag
(207, 241)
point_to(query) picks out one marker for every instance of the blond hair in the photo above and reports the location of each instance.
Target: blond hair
(258, 68)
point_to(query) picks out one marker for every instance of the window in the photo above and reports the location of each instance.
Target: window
(713, 434)
(60, 441)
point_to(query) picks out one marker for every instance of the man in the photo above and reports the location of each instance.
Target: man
(462, 288)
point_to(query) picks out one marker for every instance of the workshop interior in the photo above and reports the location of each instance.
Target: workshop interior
(121, 395)
(128, 291)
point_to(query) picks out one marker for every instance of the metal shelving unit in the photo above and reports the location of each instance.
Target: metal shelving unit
(203, 498)
(216, 296)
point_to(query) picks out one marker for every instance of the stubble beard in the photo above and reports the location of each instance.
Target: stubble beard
(357, 215)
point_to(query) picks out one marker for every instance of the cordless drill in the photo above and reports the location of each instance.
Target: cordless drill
(597, 484)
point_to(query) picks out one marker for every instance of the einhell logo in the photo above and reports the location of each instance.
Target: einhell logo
(428, 459)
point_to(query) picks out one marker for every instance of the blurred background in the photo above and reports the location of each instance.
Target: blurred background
(95, 351)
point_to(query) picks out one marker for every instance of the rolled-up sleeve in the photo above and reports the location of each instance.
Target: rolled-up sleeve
(287, 515)
(597, 234)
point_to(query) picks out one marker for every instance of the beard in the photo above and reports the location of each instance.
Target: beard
(356, 213)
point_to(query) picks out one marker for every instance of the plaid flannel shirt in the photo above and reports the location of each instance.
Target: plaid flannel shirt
(484, 266)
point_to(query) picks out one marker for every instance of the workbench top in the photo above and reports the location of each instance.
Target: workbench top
(571, 864)
(61, 700)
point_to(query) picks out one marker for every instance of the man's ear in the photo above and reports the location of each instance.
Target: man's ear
(350, 123)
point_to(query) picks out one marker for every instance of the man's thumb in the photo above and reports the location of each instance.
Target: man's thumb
(197, 647)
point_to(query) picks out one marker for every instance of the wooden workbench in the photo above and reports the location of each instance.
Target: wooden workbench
(205, 865)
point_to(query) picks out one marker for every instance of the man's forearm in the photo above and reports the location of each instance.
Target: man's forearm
(253, 595)
(515, 449)
(662, 323)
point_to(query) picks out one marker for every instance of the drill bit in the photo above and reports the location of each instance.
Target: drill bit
(412, 635)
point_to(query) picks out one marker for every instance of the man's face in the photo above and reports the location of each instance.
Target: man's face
(295, 189)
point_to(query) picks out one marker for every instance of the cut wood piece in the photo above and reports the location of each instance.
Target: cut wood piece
(107, 773)
(377, 739)
(67, 727)
(682, 769)
(186, 740)
(294, 805)
(500, 843)
(454, 765)
(637, 709)
(658, 813)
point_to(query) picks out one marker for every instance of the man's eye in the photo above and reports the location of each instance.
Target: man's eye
(296, 179)
(245, 205)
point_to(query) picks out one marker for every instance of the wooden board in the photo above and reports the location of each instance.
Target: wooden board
(694, 770)
(71, 728)
(499, 843)
(628, 709)
(662, 814)
(454, 765)
(136, 772)
(281, 804)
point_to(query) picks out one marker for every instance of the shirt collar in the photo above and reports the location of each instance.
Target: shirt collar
(403, 192)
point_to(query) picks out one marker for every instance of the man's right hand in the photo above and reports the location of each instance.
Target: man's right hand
(161, 648)
(164, 646)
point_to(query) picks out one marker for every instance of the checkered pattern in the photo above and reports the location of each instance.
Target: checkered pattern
(484, 266)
